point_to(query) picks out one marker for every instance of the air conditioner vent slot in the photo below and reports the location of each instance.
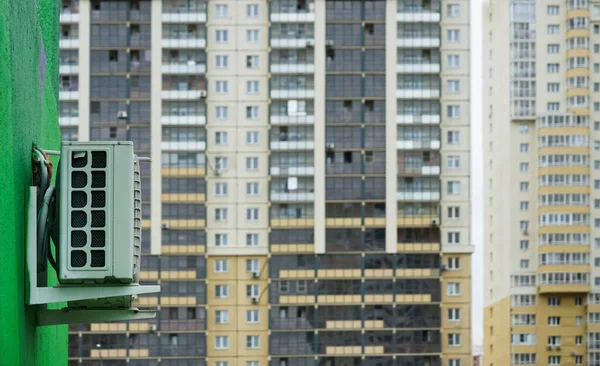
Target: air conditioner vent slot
(78, 179)
(78, 239)
(98, 219)
(99, 159)
(79, 159)
(78, 199)
(78, 218)
(98, 258)
(98, 238)
(78, 258)
(98, 199)
(98, 179)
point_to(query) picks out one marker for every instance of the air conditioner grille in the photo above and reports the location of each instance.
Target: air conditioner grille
(98, 199)
(78, 258)
(79, 159)
(99, 159)
(78, 199)
(98, 218)
(78, 218)
(78, 239)
(78, 179)
(98, 238)
(98, 258)
(137, 220)
(98, 179)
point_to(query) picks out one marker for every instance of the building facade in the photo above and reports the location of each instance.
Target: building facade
(541, 164)
(308, 200)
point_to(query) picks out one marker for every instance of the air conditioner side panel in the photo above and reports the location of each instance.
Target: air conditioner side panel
(123, 213)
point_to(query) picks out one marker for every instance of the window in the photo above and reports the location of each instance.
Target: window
(453, 237)
(578, 301)
(252, 62)
(252, 10)
(222, 35)
(222, 86)
(252, 189)
(524, 205)
(524, 263)
(524, 167)
(221, 291)
(454, 362)
(524, 244)
(453, 61)
(453, 137)
(222, 112)
(221, 189)
(252, 163)
(283, 286)
(252, 137)
(221, 214)
(553, 10)
(553, 360)
(453, 35)
(453, 111)
(252, 290)
(221, 240)
(453, 263)
(221, 137)
(252, 265)
(453, 289)
(553, 87)
(523, 128)
(252, 86)
(453, 161)
(221, 163)
(302, 285)
(454, 212)
(524, 225)
(252, 363)
(453, 86)
(222, 316)
(252, 35)
(453, 187)
(252, 112)
(553, 106)
(221, 265)
(524, 148)
(454, 339)
(252, 240)
(252, 214)
(553, 29)
(554, 301)
(453, 10)
(454, 314)
(222, 363)
(222, 61)
(252, 316)
(554, 340)
(252, 342)
(524, 186)
(578, 339)
(553, 68)
(222, 342)
(553, 48)
(222, 10)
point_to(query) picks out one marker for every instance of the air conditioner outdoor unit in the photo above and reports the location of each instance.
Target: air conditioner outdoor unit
(255, 274)
(100, 215)
(310, 43)
(122, 115)
(444, 267)
(434, 222)
(330, 146)
(255, 300)
(329, 43)
(203, 93)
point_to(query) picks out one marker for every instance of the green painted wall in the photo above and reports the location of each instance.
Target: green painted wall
(29, 32)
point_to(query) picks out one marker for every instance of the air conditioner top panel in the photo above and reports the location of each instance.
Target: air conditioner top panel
(96, 143)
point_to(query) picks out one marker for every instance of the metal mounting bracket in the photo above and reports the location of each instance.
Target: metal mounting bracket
(35, 295)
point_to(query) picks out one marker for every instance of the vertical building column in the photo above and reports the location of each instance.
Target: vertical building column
(156, 128)
(391, 130)
(84, 70)
(319, 127)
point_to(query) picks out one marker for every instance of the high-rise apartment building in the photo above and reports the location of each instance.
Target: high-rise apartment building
(308, 198)
(542, 182)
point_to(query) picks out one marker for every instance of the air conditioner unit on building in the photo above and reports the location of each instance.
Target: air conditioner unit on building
(203, 93)
(330, 146)
(434, 222)
(329, 43)
(444, 267)
(255, 300)
(255, 274)
(310, 43)
(99, 194)
(122, 115)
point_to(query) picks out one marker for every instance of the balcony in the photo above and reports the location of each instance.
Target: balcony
(181, 68)
(184, 14)
(417, 14)
(187, 36)
(68, 121)
(284, 170)
(418, 144)
(294, 138)
(418, 93)
(418, 68)
(182, 94)
(185, 120)
(424, 41)
(292, 68)
(69, 69)
(292, 93)
(69, 43)
(68, 93)
(292, 196)
(421, 195)
(425, 119)
(67, 16)
(183, 146)
(293, 11)
(292, 120)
